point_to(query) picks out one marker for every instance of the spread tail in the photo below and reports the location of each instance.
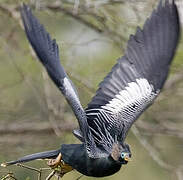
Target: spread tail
(41, 155)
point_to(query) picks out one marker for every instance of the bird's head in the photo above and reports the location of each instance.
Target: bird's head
(121, 153)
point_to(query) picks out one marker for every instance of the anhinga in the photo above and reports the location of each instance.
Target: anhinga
(124, 94)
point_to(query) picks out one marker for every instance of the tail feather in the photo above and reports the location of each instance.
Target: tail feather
(41, 155)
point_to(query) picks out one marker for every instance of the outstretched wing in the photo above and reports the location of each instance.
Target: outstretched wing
(48, 53)
(136, 79)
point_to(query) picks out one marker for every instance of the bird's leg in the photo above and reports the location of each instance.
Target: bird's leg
(59, 166)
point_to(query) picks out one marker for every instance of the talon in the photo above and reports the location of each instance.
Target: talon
(59, 166)
(53, 163)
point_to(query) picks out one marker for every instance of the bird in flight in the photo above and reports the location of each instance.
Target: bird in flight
(125, 93)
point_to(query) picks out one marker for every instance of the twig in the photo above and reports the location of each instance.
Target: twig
(173, 80)
(23, 76)
(51, 175)
(42, 169)
(82, 81)
(28, 167)
(34, 169)
(117, 38)
(151, 150)
(38, 127)
(8, 176)
(156, 129)
(179, 173)
(76, 6)
(11, 175)
(80, 177)
(39, 175)
(74, 16)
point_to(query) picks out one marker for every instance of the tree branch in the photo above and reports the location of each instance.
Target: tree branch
(43, 127)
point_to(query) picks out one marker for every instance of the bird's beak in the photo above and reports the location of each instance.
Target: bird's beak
(127, 158)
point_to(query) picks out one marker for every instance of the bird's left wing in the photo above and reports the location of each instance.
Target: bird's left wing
(48, 53)
(136, 79)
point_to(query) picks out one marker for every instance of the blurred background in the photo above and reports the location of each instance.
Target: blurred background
(92, 35)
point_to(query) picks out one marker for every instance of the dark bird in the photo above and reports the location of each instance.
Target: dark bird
(124, 94)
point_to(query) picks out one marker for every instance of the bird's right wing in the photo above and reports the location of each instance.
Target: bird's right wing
(48, 53)
(137, 78)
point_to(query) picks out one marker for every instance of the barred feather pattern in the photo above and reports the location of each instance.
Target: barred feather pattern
(111, 122)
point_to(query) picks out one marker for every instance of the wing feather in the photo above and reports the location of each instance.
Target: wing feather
(48, 53)
(137, 78)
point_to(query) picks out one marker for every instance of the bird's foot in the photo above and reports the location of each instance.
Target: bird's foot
(59, 166)
(54, 163)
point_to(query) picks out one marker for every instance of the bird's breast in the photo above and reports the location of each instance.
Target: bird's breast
(76, 156)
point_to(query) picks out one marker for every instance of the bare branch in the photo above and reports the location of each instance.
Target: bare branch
(76, 6)
(28, 167)
(157, 129)
(8, 176)
(173, 80)
(51, 175)
(179, 173)
(56, 8)
(151, 150)
(43, 127)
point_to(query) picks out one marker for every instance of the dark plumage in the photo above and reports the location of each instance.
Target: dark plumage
(131, 86)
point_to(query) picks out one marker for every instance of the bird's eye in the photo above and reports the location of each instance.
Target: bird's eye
(122, 155)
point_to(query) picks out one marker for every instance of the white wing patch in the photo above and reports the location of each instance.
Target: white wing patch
(136, 94)
(120, 113)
